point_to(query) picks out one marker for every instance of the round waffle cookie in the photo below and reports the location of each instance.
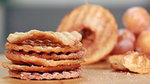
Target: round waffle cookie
(45, 38)
(34, 68)
(39, 76)
(51, 56)
(27, 59)
(38, 49)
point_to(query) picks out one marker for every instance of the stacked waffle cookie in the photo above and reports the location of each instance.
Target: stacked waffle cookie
(44, 55)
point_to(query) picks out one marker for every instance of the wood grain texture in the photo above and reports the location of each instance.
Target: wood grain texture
(99, 73)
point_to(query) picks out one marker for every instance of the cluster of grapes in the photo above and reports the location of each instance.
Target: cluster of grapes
(136, 35)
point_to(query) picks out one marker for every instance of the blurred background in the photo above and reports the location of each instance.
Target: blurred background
(24, 15)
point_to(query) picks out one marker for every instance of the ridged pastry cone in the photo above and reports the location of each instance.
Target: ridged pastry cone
(98, 27)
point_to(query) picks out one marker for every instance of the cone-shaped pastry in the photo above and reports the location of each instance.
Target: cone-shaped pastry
(98, 27)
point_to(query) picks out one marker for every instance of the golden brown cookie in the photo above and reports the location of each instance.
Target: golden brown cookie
(45, 38)
(98, 28)
(34, 68)
(52, 55)
(27, 59)
(39, 76)
(38, 49)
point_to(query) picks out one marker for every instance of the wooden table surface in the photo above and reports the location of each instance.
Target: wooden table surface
(99, 73)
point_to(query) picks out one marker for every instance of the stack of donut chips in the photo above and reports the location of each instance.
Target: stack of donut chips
(44, 55)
